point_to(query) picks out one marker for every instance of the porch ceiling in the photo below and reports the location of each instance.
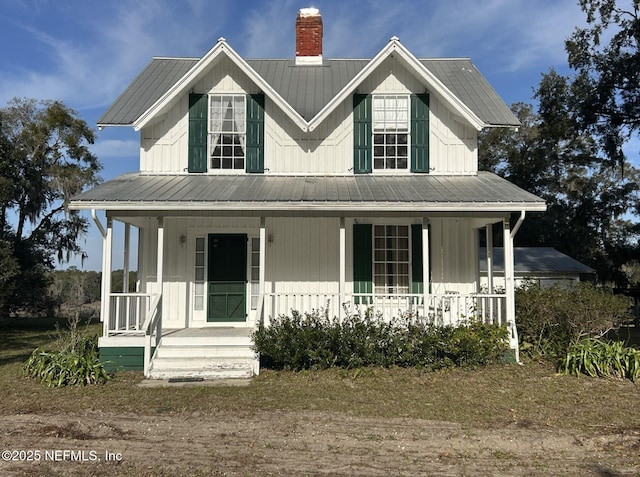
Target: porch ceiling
(484, 192)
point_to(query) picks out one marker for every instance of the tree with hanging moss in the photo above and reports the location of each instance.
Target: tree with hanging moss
(44, 160)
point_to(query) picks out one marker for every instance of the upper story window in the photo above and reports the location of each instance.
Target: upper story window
(390, 132)
(227, 132)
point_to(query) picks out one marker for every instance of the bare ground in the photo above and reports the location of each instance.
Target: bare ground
(302, 443)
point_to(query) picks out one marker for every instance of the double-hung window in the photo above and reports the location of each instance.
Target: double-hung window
(391, 262)
(227, 132)
(390, 132)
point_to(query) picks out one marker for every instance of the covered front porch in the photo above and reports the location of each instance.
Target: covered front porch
(235, 251)
(169, 298)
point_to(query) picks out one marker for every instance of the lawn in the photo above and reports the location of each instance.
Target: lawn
(495, 395)
(496, 398)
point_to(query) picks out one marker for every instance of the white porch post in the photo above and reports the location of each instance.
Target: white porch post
(107, 252)
(426, 271)
(510, 287)
(343, 266)
(160, 257)
(263, 261)
(125, 266)
(489, 236)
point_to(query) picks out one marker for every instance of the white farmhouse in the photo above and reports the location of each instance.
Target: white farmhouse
(267, 185)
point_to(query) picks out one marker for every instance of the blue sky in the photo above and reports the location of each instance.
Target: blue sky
(85, 52)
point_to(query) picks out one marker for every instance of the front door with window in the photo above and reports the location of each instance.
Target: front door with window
(227, 277)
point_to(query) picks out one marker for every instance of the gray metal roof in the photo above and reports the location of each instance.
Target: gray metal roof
(485, 192)
(309, 88)
(535, 260)
(155, 80)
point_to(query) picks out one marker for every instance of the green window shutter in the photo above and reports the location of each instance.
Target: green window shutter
(419, 133)
(362, 260)
(417, 281)
(198, 132)
(362, 149)
(255, 134)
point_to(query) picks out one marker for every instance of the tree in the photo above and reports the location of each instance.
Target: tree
(44, 161)
(587, 201)
(606, 90)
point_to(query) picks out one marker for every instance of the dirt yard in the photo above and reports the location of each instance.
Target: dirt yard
(301, 443)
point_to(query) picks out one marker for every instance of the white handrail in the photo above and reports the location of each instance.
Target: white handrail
(152, 327)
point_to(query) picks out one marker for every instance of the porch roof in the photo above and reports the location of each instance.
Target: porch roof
(484, 192)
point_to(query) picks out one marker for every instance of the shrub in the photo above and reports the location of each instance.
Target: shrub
(76, 361)
(599, 358)
(314, 341)
(550, 319)
(68, 367)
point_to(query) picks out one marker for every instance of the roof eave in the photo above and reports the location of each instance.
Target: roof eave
(221, 47)
(394, 46)
(474, 207)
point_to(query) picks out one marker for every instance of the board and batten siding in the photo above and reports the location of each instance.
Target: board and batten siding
(454, 255)
(326, 150)
(303, 255)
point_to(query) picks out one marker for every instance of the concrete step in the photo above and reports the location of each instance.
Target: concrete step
(207, 340)
(220, 372)
(202, 351)
(225, 359)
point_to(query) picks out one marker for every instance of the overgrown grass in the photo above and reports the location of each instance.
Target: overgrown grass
(498, 395)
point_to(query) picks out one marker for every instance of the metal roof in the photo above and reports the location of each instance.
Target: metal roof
(309, 88)
(535, 260)
(484, 192)
(154, 80)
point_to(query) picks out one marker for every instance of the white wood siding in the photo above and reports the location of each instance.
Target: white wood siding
(302, 255)
(454, 255)
(326, 150)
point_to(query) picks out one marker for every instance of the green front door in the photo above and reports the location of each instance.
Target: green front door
(227, 277)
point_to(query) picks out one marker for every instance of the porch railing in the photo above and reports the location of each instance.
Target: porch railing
(276, 304)
(152, 328)
(441, 309)
(127, 313)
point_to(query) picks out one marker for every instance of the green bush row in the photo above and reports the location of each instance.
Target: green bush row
(549, 320)
(77, 364)
(315, 341)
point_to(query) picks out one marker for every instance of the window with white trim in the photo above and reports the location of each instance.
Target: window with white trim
(227, 131)
(199, 274)
(390, 132)
(391, 259)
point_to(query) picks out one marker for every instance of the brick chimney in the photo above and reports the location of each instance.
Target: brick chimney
(309, 37)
